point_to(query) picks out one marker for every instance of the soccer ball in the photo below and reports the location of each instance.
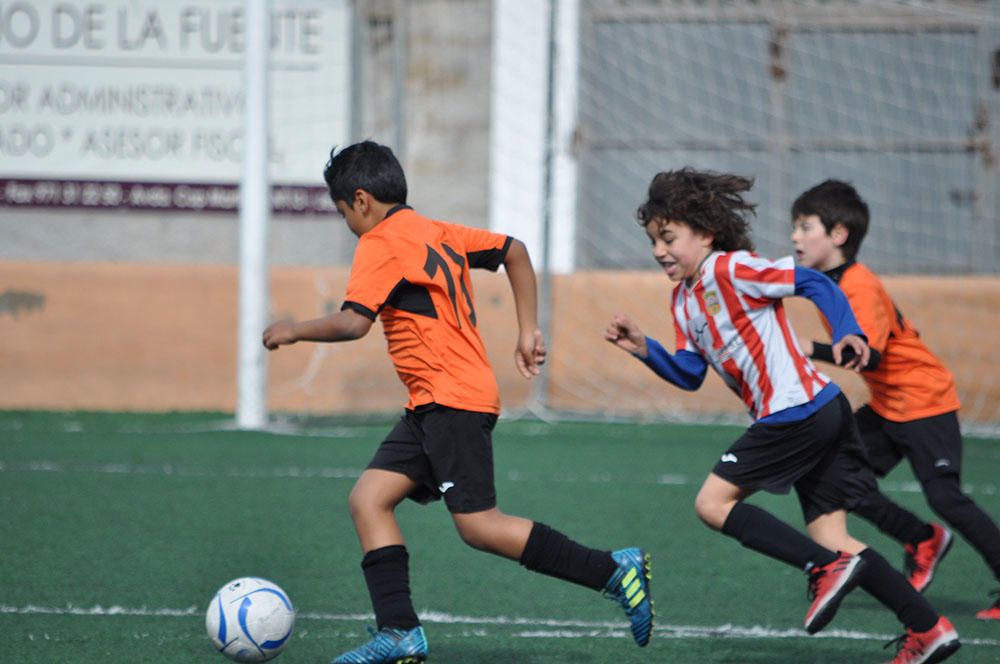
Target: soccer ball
(250, 620)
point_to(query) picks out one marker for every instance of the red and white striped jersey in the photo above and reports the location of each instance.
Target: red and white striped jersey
(733, 316)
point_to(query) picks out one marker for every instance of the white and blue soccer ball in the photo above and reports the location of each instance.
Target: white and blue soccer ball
(250, 620)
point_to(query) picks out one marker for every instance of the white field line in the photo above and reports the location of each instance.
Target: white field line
(301, 472)
(178, 470)
(535, 627)
(277, 427)
(290, 426)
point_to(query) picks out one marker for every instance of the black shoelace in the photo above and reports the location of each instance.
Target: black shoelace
(901, 644)
(910, 562)
(814, 578)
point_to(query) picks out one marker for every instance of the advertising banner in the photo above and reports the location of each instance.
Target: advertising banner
(139, 104)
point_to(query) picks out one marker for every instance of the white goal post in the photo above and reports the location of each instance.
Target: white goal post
(255, 209)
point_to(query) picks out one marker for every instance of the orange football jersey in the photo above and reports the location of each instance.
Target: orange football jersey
(413, 272)
(910, 382)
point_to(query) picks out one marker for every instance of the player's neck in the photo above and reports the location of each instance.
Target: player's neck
(378, 212)
(834, 261)
(696, 277)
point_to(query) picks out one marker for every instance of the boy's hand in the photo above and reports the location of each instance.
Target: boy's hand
(529, 356)
(862, 352)
(281, 333)
(625, 334)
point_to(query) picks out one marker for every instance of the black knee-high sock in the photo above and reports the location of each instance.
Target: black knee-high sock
(388, 577)
(891, 588)
(898, 523)
(550, 552)
(761, 531)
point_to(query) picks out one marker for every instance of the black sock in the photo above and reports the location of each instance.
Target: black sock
(761, 531)
(925, 533)
(551, 553)
(898, 523)
(388, 577)
(891, 588)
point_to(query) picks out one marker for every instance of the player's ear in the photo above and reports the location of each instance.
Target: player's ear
(706, 239)
(364, 202)
(839, 234)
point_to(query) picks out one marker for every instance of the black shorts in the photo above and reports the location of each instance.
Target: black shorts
(821, 456)
(933, 445)
(448, 452)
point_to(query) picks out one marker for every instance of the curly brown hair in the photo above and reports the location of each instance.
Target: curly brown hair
(706, 201)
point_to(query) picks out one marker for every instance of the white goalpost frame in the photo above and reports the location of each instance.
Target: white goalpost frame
(518, 140)
(533, 111)
(255, 210)
(564, 164)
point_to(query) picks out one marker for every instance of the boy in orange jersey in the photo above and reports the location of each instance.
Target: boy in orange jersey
(913, 409)
(414, 273)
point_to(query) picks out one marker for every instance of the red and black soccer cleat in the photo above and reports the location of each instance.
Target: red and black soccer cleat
(828, 585)
(935, 645)
(923, 558)
(993, 612)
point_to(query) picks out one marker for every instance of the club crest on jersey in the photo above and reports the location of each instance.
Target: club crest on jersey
(712, 305)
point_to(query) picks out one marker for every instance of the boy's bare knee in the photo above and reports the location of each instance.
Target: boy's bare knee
(711, 518)
(711, 512)
(473, 536)
(355, 504)
(482, 531)
(361, 502)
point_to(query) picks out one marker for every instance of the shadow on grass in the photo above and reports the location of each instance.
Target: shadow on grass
(465, 653)
(818, 652)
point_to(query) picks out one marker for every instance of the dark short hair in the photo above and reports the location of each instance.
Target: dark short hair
(366, 165)
(706, 201)
(836, 202)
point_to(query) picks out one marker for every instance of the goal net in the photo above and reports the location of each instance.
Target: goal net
(899, 98)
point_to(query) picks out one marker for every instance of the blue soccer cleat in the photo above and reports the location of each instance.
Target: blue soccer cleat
(629, 586)
(389, 646)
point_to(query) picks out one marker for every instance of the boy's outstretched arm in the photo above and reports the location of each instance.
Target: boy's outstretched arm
(624, 333)
(530, 352)
(684, 369)
(344, 325)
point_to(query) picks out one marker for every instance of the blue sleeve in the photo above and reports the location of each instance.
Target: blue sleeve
(684, 369)
(830, 300)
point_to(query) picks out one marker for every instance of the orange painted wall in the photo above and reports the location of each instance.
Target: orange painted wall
(139, 337)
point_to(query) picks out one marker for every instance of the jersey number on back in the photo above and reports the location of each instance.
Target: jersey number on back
(904, 325)
(436, 260)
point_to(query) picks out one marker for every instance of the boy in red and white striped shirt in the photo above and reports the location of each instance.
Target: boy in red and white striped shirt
(728, 314)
